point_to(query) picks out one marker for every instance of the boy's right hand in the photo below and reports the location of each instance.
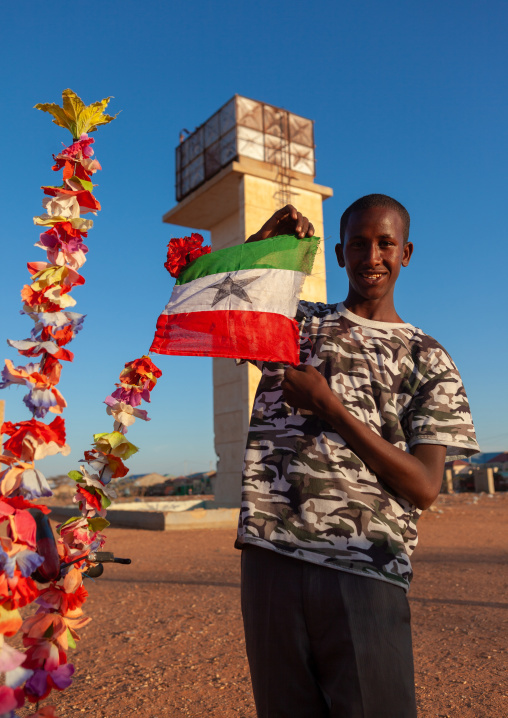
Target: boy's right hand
(287, 220)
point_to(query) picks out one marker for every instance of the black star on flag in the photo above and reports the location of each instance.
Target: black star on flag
(230, 286)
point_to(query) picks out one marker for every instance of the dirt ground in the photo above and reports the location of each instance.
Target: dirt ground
(166, 637)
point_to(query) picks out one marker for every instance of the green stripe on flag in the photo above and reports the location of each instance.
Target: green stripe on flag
(283, 252)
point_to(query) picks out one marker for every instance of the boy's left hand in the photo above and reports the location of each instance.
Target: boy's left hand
(305, 388)
(287, 220)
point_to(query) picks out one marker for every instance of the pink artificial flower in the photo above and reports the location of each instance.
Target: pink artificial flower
(63, 247)
(43, 653)
(10, 658)
(78, 538)
(44, 624)
(21, 524)
(124, 414)
(108, 466)
(10, 699)
(132, 395)
(80, 148)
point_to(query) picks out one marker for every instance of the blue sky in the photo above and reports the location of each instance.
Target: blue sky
(408, 99)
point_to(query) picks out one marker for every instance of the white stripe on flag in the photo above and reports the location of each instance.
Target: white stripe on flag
(271, 290)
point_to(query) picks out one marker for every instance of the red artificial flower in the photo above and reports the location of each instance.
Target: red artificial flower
(70, 158)
(66, 163)
(85, 199)
(17, 591)
(35, 349)
(18, 503)
(182, 251)
(44, 712)
(37, 300)
(140, 372)
(42, 653)
(87, 202)
(80, 148)
(90, 499)
(21, 524)
(83, 173)
(59, 600)
(116, 466)
(33, 439)
(64, 355)
(61, 336)
(64, 230)
(114, 463)
(138, 378)
(51, 368)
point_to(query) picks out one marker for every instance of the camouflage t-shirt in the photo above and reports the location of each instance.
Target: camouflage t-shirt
(305, 491)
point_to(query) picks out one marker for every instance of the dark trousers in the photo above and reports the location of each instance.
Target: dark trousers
(323, 643)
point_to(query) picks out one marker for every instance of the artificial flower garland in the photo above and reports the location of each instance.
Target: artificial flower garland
(49, 633)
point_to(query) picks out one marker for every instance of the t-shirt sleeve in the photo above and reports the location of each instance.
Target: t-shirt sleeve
(439, 411)
(255, 362)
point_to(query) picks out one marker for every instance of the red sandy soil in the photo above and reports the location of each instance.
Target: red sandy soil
(166, 637)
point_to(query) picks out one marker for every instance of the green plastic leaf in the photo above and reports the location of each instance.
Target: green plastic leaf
(105, 500)
(86, 184)
(97, 523)
(70, 640)
(75, 475)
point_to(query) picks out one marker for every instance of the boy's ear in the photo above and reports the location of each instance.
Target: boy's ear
(406, 253)
(339, 251)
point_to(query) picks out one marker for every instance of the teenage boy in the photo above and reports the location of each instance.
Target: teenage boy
(342, 455)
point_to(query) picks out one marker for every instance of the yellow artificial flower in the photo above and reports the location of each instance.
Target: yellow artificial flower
(75, 116)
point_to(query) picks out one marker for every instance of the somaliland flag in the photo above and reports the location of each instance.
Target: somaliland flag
(239, 302)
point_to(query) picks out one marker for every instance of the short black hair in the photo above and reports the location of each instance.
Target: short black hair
(375, 200)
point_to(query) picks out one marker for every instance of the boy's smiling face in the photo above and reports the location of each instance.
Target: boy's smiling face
(373, 253)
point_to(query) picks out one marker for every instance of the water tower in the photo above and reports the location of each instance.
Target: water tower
(246, 161)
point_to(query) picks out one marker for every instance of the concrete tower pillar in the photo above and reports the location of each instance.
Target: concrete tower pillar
(232, 205)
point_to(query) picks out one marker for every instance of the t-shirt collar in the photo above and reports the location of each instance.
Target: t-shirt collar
(341, 309)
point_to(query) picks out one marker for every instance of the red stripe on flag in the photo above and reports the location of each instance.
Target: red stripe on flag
(240, 335)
